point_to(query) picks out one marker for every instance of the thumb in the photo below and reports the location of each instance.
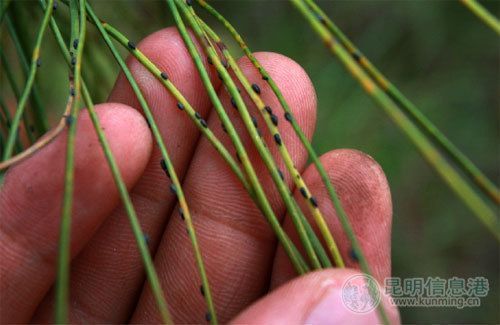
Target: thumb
(323, 297)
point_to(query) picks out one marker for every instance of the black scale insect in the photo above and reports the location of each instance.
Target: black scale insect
(69, 120)
(268, 109)
(353, 255)
(233, 102)
(163, 165)
(313, 201)
(164, 76)
(173, 189)
(73, 60)
(180, 106)
(256, 88)
(72, 92)
(356, 56)
(203, 123)
(277, 139)
(131, 45)
(303, 192)
(38, 62)
(274, 119)
(254, 121)
(265, 78)
(281, 174)
(202, 290)
(288, 117)
(197, 115)
(75, 43)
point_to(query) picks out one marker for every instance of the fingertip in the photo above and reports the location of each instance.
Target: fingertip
(322, 297)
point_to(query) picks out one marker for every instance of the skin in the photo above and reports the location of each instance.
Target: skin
(251, 278)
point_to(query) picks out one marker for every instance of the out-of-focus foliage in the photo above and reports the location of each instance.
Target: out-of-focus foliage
(436, 52)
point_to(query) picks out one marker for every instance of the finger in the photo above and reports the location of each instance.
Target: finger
(31, 197)
(236, 242)
(365, 195)
(111, 262)
(319, 298)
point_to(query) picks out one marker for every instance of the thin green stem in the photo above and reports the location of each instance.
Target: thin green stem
(63, 266)
(13, 132)
(167, 163)
(460, 159)
(483, 14)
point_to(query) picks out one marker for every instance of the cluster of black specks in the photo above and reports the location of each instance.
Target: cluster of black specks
(256, 88)
(268, 109)
(233, 103)
(208, 316)
(72, 92)
(54, 6)
(313, 201)
(75, 43)
(173, 189)
(353, 255)
(163, 165)
(164, 75)
(180, 106)
(281, 174)
(181, 213)
(277, 139)
(303, 192)
(131, 45)
(274, 119)
(202, 290)
(288, 117)
(38, 62)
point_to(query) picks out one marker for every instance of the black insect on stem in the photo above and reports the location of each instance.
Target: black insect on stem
(268, 109)
(75, 43)
(281, 174)
(72, 92)
(353, 255)
(313, 201)
(288, 117)
(202, 290)
(277, 139)
(131, 45)
(181, 213)
(73, 60)
(173, 189)
(197, 115)
(256, 88)
(233, 103)
(164, 75)
(38, 62)
(303, 192)
(254, 121)
(69, 120)
(180, 106)
(203, 123)
(274, 119)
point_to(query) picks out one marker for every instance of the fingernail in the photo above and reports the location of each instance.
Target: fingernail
(336, 306)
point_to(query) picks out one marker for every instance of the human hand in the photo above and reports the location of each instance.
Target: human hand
(243, 261)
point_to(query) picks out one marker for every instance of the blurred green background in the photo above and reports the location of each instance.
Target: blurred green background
(439, 54)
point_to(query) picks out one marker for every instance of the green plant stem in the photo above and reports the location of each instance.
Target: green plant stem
(460, 159)
(13, 132)
(230, 128)
(127, 202)
(168, 163)
(433, 156)
(483, 14)
(78, 27)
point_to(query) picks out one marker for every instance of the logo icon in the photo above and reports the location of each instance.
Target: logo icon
(361, 293)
